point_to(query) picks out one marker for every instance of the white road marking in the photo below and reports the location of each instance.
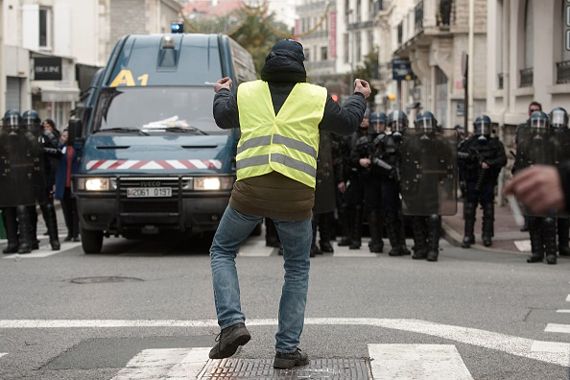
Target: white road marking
(171, 364)
(512, 345)
(552, 347)
(563, 311)
(417, 361)
(3, 354)
(44, 251)
(557, 328)
(568, 298)
(523, 245)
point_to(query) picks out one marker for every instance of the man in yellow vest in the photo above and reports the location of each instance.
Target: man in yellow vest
(280, 117)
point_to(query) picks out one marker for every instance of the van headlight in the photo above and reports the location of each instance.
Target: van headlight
(96, 184)
(213, 183)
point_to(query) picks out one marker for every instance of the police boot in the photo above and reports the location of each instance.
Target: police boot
(488, 220)
(563, 235)
(48, 211)
(536, 242)
(376, 244)
(34, 227)
(469, 210)
(326, 230)
(434, 235)
(549, 236)
(420, 238)
(356, 228)
(24, 226)
(11, 227)
(401, 233)
(393, 237)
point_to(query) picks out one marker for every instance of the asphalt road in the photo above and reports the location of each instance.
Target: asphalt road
(139, 308)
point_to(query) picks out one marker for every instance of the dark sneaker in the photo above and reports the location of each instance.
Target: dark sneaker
(286, 360)
(229, 340)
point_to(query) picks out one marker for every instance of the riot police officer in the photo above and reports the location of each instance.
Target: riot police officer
(340, 147)
(428, 182)
(17, 176)
(559, 122)
(372, 178)
(47, 141)
(480, 159)
(537, 144)
(359, 163)
(387, 158)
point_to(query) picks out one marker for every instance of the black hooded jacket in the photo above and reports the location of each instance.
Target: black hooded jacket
(274, 195)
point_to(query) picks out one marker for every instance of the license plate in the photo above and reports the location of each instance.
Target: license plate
(149, 192)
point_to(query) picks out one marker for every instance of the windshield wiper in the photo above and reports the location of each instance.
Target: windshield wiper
(185, 129)
(123, 130)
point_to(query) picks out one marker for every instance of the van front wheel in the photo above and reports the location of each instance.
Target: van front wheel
(91, 241)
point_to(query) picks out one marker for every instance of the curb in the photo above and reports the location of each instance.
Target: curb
(456, 239)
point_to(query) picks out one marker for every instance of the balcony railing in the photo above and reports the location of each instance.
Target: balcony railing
(315, 35)
(419, 17)
(360, 25)
(500, 81)
(563, 72)
(527, 77)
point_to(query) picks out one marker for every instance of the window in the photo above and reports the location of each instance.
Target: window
(45, 28)
(528, 35)
(324, 53)
(358, 10)
(370, 41)
(307, 54)
(500, 43)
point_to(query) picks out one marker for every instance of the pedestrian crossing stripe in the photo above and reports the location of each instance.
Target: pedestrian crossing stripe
(3, 354)
(417, 361)
(387, 361)
(171, 364)
(44, 251)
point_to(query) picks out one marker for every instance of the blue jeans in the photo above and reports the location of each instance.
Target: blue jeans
(295, 236)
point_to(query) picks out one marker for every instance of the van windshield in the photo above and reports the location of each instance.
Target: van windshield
(153, 109)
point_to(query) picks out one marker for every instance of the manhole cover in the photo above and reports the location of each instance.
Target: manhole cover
(104, 279)
(262, 369)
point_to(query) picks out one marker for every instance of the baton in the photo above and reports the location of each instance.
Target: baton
(515, 208)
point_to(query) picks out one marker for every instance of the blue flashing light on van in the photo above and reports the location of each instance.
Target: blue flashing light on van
(151, 157)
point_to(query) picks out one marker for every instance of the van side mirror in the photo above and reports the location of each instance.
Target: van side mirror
(75, 131)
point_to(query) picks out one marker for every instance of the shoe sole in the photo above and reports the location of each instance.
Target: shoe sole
(279, 363)
(233, 347)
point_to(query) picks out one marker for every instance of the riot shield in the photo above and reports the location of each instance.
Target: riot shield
(428, 172)
(542, 146)
(19, 164)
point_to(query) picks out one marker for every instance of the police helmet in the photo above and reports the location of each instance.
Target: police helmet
(11, 119)
(426, 121)
(539, 120)
(31, 119)
(377, 117)
(482, 125)
(398, 121)
(559, 118)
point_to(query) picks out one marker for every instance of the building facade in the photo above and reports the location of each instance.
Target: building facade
(433, 36)
(51, 49)
(528, 60)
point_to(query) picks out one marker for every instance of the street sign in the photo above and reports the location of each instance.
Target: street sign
(402, 69)
(47, 68)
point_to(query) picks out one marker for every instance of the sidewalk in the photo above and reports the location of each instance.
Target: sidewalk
(508, 237)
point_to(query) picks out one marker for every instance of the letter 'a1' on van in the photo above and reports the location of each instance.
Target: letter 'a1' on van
(151, 157)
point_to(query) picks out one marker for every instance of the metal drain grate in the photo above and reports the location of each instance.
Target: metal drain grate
(262, 369)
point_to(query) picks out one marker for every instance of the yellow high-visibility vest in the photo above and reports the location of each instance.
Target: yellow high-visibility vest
(288, 142)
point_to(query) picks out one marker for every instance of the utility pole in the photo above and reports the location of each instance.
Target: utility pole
(470, 71)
